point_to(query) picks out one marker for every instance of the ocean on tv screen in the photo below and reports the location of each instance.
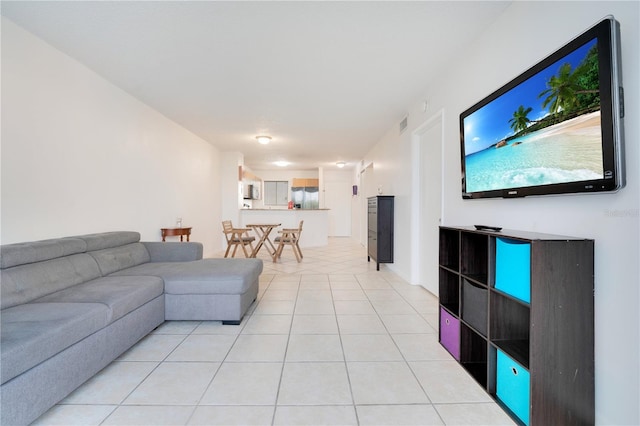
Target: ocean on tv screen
(569, 151)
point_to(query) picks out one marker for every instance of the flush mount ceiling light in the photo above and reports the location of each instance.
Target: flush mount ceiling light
(340, 164)
(263, 139)
(281, 163)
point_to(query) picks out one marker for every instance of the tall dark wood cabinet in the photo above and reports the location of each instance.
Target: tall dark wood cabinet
(380, 229)
(516, 311)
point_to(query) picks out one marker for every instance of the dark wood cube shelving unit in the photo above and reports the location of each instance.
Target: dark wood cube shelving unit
(551, 335)
(380, 229)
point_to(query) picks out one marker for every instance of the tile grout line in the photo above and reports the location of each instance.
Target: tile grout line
(284, 358)
(344, 357)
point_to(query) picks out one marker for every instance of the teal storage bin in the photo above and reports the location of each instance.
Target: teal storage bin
(513, 268)
(512, 386)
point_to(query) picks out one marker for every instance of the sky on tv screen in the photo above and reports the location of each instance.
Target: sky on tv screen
(490, 124)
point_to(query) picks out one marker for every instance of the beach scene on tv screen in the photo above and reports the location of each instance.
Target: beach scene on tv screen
(546, 130)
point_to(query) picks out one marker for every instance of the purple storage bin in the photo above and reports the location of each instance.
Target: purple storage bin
(450, 333)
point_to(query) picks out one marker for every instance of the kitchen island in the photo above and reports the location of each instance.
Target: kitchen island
(315, 230)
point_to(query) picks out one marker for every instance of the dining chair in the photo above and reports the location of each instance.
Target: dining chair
(237, 237)
(289, 236)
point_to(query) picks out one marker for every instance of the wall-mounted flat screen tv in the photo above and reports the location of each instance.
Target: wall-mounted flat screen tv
(555, 129)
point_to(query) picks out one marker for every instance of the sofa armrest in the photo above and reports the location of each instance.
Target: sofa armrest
(174, 251)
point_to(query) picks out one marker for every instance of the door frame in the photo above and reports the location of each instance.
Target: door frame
(366, 177)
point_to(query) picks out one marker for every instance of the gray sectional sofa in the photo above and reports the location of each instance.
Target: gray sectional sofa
(70, 306)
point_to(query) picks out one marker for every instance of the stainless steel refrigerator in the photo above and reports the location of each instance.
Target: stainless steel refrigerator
(305, 197)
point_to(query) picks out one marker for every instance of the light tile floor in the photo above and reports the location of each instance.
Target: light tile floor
(331, 341)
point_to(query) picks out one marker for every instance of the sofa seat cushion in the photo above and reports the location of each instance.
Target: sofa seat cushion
(206, 276)
(34, 332)
(121, 294)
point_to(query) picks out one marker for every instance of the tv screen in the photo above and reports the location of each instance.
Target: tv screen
(556, 128)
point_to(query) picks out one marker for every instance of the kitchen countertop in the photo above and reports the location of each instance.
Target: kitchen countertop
(315, 230)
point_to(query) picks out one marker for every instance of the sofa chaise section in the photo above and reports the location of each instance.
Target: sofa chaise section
(201, 290)
(192, 292)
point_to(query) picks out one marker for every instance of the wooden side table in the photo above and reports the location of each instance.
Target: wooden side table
(174, 232)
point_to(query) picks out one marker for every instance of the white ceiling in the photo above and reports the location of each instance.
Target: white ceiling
(325, 79)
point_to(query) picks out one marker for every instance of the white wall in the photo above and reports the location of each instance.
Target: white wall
(80, 155)
(231, 188)
(524, 34)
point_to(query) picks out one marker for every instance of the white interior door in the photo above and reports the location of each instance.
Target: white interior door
(429, 140)
(337, 197)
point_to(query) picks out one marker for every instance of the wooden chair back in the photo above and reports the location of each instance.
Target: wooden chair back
(290, 236)
(237, 237)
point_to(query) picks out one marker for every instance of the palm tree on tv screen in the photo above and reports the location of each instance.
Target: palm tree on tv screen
(562, 91)
(520, 121)
(574, 90)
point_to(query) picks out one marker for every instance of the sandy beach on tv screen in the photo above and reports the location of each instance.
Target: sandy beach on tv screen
(586, 124)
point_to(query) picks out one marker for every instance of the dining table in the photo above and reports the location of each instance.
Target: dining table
(263, 230)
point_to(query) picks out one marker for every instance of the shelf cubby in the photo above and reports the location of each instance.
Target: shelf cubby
(473, 354)
(510, 326)
(449, 249)
(449, 287)
(474, 255)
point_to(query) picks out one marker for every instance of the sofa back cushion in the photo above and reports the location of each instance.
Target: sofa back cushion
(114, 259)
(105, 240)
(27, 282)
(37, 251)
(35, 269)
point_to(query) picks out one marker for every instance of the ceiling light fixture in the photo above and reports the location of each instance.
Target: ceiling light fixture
(340, 164)
(263, 139)
(281, 163)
